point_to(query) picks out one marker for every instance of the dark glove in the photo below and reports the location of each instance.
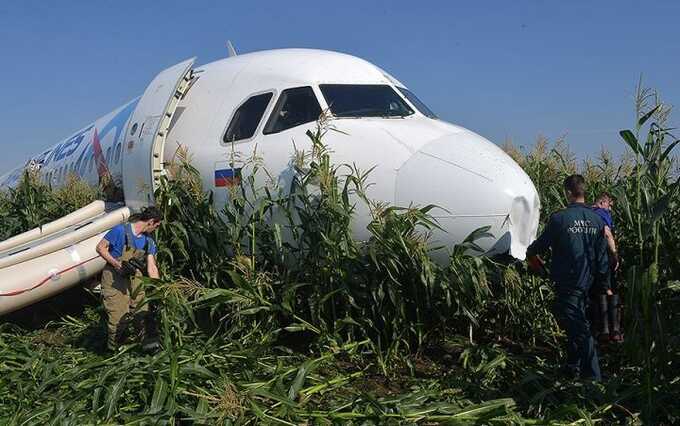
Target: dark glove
(138, 265)
(130, 267)
(127, 269)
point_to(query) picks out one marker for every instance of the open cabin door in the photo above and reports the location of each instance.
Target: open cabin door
(146, 133)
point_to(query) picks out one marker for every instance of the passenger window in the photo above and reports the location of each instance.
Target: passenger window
(118, 148)
(294, 107)
(83, 165)
(246, 118)
(108, 156)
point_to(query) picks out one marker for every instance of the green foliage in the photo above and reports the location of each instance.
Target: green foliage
(192, 235)
(648, 196)
(33, 203)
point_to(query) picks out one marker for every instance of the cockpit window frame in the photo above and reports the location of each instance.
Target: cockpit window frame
(413, 111)
(260, 124)
(278, 104)
(399, 89)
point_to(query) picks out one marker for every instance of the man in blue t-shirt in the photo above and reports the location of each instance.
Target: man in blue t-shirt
(129, 252)
(603, 207)
(608, 305)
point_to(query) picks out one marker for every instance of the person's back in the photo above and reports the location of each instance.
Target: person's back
(605, 215)
(579, 249)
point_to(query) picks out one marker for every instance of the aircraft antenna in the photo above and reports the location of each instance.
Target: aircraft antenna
(230, 48)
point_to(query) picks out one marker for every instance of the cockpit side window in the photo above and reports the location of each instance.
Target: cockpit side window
(295, 107)
(247, 117)
(420, 106)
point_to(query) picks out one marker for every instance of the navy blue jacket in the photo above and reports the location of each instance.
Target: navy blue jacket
(579, 249)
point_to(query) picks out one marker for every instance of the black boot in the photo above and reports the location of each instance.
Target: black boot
(614, 317)
(603, 318)
(151, 342)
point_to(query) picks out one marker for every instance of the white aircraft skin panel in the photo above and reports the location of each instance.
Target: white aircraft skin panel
(391, 78)
(412, 132)
(199, 108)
(418, 160)
(300, 67)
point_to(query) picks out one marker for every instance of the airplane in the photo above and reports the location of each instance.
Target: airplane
(266, 101)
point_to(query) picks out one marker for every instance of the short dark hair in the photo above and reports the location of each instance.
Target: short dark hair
(147, 213)
(604, 196)
(576, 185)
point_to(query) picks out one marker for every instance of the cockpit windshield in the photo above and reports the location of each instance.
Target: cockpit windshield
(427, 112)
(364, 100)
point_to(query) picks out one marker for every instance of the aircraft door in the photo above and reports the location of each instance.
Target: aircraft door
(145, 135)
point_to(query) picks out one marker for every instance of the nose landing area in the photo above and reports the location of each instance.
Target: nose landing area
(476, 185)
(524, 216)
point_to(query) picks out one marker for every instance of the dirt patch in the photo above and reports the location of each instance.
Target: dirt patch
(50, 337)
(380, 386)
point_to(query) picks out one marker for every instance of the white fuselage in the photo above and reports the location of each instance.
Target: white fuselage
(418, 160)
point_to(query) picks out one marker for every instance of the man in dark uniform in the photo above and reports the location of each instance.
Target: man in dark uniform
(579, 259)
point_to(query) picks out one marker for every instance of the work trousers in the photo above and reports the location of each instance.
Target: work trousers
(122, 297)
(570, 310)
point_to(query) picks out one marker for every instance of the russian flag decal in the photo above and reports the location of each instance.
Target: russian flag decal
(227, 177)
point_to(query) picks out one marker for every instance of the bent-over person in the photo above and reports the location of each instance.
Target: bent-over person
(130, 253)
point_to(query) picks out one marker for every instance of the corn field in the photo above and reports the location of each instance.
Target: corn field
(271, 313)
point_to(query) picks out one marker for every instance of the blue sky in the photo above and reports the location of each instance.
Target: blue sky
(507, 70)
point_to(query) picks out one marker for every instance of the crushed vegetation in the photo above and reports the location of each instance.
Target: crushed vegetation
(272, 314)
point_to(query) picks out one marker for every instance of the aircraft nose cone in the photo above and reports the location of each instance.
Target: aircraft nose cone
(476, 184)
